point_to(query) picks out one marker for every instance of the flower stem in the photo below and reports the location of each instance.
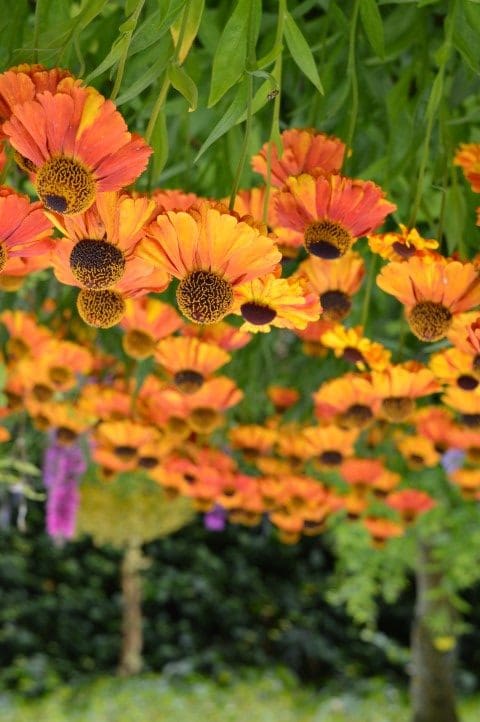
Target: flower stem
(368, 292)
(352, 73)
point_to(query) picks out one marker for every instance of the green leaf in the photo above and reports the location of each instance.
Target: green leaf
(194, 18)
(148, 77)
(159, 143)
(3, 375)
(455, 216)
(119, 46)
(465, 34)
(373, 26)
(228, 119)
(301, 53)
(182, 82)
(231, 54)
(155, 26)
(435, 96)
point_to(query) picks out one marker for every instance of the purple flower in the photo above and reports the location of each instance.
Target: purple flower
(62, 468)
(216, 519)
(452, 460)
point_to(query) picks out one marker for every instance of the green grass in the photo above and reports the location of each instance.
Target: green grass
(260, 699)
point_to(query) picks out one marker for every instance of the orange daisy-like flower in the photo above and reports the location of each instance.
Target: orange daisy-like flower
(271, 301)
(381, 530)
(78, 144)
(63, 360)
(26, 334)
(67, 421)
(331, 211)
(17, 269)
(458, 334)
(410, 503)
(432, 291)
(252, 440)
(350, 345)
(210, 252)
(106, 402)
(466, 403)
(331, 443)
(350, 399)
(146, 321)
(468, 480)
(418, 451)
(173, 200)
(399, 386)
(107, 269)
(282, 397)
(303, 151)
(468, 158)
(24, 229)
(365, 475)
(189, 361)
(208, 403)
(124, 438)
(335, 282)
(400, 246)
(473, 339)
(436, 423)
(453, 366)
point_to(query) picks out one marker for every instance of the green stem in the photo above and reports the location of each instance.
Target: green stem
(121, 64)
(368, 292)
(165, 87)
(275, 127)
(248, 123)
(352, 73)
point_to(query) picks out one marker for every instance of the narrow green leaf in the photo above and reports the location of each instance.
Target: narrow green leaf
(182, 82)
(148, 77)
(3, 375)
(301, 53)
(228, 119)
(270, 57)
(373, 26)
(435, 96)
(113, 57)
(231, 53)
(159, 143)
(194, 18)
(465, 34)
(155, 26)
(455, 217)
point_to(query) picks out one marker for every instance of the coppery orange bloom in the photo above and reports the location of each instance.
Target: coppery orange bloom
(432, 291)
(398, 387)
(26, 334)
(282, 397)
(401, 245)
(221, 334)
(331, 444)
(350, 345)
(331, 211)
(208, 403)
(468, 158)
(211, 252)
(24, 229)
(312, 337)
(146, 321)
(381, 530)
(418, 451)
(410, 503)
(253, 440)
(303, 151)
(78, 144)
(453, 366)
(335, 282)
(189, 361)
(350, 399)
(469, 482)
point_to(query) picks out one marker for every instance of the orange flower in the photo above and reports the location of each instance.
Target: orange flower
(211, 253)
(62, 361)
(418, 451)
(459, 335)
(364, 474)
(26, 335)
(103, 240)
(436, 424)
(252, 440)
(453, 366)
(221, 334)
(79, 145)
(381, 530)
(473, 337)
(16, 269)
(466, 403)
(398, 386)
(302, 152)
(282, 397)
(271, 301)
(312, 337)
(410, 503)
(331, 211)
(67, 421)
(350, 345)
(105, 402)
(168, 199)
(335, 282)
(189, 361)
(124, 438)
(331, 444)
(400, 246)
(24, 230)
(432, 290)
(468, 158)
(469, 482)
(206, 405)
(350, 399)
(4, 434)
(146, 321)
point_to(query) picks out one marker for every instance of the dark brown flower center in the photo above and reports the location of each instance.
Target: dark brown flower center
(138, 344)
(204, 420)
(353, 355)
(188, 381)
(397, 408)
(327, 239)
(65, 185)
(204, 297)
(331, 458)
(42, 392)
(257, 313)
(471, 420)
(60, 375)
(3, 256)
(467, 383)
(125, 452)
(429, 321)
(65, 435)
(356, 416)
(97, 264)
(336, 305)
(403, 250)
(147, 462)
(102, 309)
